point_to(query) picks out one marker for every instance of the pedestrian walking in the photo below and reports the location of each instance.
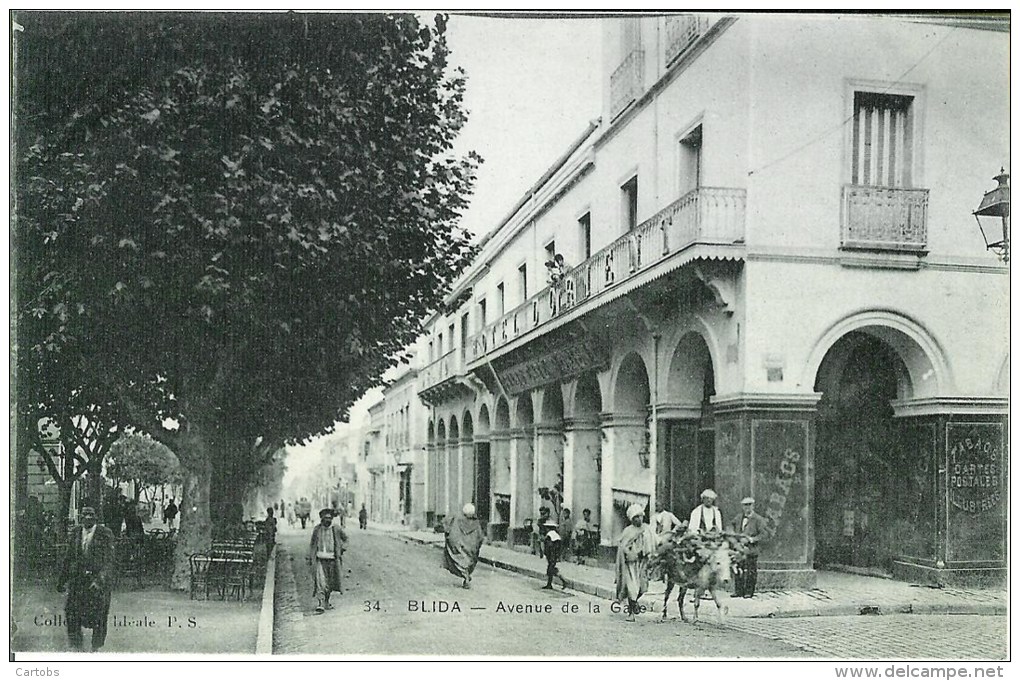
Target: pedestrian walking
(552, 546)
(363, 518)
(752, 526)
(269, 527)
(325, 557)
(304, 511)
(169, 514)
(463, 543)
(637, 542)
(86, 574)
(290, 514)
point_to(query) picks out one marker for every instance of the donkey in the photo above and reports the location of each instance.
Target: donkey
(709, 570)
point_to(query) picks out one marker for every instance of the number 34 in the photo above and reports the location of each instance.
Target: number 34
(371, 605)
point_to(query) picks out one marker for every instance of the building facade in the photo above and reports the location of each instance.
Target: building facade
(774, 286)
(405, 444)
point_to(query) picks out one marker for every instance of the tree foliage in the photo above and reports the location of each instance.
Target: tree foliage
(142, 459)
(237, 222)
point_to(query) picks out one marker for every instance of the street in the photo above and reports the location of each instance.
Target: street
(399, 601)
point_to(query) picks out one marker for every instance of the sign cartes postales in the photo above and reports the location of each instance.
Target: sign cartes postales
(558, 364)
(975, 466)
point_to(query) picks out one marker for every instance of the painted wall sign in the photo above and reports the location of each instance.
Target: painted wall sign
(778, 449)
(557, 365)
(974, 467)
(975, 473)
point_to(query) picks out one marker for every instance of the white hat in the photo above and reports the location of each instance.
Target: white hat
(635, 509)
(747, 500)
(469, 510)
(710, 494)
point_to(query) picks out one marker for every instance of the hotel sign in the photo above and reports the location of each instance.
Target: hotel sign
(561, 364)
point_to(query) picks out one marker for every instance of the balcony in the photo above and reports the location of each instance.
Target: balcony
(625, 83)
(681, 32)
(708, 215)
(446, 367)
(884, 218)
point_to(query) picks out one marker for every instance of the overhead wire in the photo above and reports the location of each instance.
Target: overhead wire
(839, 126)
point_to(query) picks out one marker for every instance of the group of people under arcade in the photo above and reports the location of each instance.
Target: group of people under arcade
(637, 543)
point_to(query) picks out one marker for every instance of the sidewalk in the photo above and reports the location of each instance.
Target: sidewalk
(836, 593)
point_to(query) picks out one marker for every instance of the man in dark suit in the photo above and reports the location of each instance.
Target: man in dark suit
(87, 574)
(752, 526)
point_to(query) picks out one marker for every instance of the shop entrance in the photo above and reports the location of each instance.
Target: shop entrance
(870, 488)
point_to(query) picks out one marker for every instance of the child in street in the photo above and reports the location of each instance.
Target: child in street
(553, 544)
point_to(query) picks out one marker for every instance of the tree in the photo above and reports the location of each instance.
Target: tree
(142, 460)
(250, 216)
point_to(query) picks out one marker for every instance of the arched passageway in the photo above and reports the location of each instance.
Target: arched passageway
(686, 427)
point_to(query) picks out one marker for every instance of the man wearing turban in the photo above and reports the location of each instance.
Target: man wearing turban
(463, 542)
(325, 556)
(637, 542)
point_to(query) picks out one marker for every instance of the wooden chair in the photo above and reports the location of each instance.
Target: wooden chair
(200, 574)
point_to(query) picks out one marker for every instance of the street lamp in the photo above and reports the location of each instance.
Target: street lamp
(995, 204)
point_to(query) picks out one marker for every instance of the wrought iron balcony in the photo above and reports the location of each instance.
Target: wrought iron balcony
(708, 215)
(681, 32)
(625, 83)
(884, 218)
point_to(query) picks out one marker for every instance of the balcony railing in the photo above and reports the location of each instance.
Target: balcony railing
(441, 369)
(681, 32)
(625, 83)
(885, 218)
(705, 215)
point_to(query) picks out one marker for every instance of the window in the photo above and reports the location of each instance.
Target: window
(481, 314)
(689, 164)
(522, 278)
(431, 351)
(629, 193)
(500, 299)
(584, 227)
(453, 335)
(439, 345)
(464, 335)
(883, 140)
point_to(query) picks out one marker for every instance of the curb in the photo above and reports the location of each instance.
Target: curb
(264, 640)
(862, 609)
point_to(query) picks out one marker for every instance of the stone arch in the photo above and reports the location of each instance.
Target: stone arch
(524, 414)
(502, 421)
(552, 405)
(1001, 386)
(431, 433)
(454, 430)
(691, 376)
(483, 420)
(671, 346)
(441, 432)
(631, 392)
(467, 425)
(927, 371)
(587, 396)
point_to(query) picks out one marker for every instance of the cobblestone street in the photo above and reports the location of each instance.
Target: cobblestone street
(945, 637)
(399, 601)
(382, 571)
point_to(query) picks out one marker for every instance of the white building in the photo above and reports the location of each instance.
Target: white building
(775, 287)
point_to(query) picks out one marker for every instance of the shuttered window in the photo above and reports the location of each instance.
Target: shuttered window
(883, 140)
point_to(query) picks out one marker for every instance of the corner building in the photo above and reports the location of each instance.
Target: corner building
(775, 287)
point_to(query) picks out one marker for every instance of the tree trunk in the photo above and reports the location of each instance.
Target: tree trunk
(195, 534)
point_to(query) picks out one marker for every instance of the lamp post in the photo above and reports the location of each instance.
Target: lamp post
(995, 204)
